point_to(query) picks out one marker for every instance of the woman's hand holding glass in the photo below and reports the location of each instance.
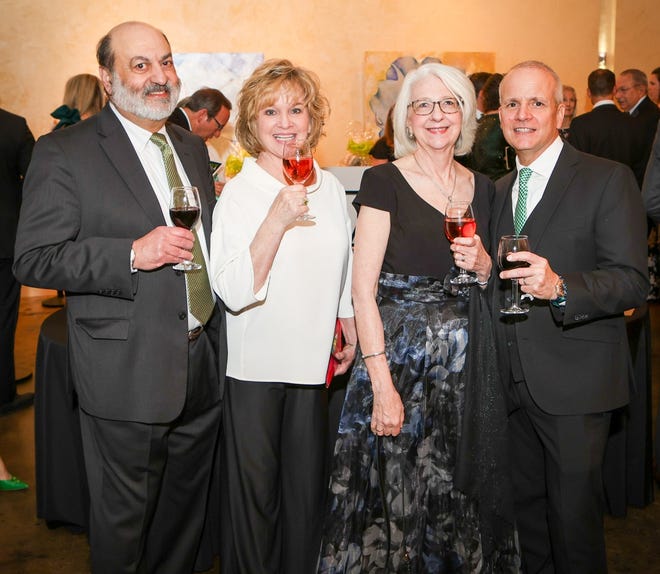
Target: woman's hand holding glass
(470, 254)
(289, 205)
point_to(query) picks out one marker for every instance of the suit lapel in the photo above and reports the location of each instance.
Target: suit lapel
(502, 210)
(555, 190)
(120, 152)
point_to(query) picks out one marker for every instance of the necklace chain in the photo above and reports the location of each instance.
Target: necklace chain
(434, 182)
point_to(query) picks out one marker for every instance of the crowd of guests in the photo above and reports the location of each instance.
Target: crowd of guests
(468, 441)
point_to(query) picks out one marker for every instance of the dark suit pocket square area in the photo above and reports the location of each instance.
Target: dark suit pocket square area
(105, 328)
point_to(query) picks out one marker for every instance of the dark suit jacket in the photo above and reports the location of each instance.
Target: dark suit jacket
(590, 226)
(651, 187)
(645, 119)
(16, 143)
(179, 118)
(86, 199)
(607, 132)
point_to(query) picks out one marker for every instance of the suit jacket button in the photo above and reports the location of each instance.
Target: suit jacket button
(178, 273)
(183, 315)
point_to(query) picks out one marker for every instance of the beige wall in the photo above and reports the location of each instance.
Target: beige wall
(42, 43)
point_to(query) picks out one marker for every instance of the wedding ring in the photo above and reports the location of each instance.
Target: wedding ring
(305, 201)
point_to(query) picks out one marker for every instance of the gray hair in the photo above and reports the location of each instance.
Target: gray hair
(460, 87)
(536, 65)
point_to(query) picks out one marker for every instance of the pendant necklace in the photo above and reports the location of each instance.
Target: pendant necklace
(435, 183)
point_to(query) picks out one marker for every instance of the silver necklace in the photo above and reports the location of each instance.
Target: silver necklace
(434, 182)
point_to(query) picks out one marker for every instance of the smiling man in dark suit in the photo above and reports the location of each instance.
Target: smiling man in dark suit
(146, 342)
(565, 363)
(16, 143)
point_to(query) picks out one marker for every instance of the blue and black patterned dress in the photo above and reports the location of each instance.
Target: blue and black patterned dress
(395, 505)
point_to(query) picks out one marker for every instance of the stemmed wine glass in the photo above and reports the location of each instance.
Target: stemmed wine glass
(184, 211)
(512, 244)
(298, 164)
(460, 222)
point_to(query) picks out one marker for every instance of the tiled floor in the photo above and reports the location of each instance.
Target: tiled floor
(28, 546)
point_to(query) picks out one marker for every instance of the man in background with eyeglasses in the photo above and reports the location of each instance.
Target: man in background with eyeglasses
(205, 113)
(631, 95)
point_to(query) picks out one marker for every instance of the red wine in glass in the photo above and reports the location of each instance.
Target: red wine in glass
(512, 244)
(298, 164)
(184, 212)
(184, 216)
(460, 222)
(298, 169)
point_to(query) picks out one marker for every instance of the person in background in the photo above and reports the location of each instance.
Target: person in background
(16, 143)
(83, 97)
(491, 154)
(9, 482)
(565, 363)
(145, 342)
(205, 114)
(654, 86)
(398, 498)
(651, 198)
(604, 131)
(285, 282)
(383, 149)
(632, 96)
(570, 107)
(478, 80)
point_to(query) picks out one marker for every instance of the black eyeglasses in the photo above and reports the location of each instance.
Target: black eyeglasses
(217, 123)
(425, 107)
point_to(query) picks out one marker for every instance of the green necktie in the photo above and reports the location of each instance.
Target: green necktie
(200, 298)
(520, 215)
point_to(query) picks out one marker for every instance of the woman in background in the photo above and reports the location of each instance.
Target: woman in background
(285, 283)
(83, 97)
(397, 503)
(570, 107)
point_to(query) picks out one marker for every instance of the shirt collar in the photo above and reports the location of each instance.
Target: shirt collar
(545, 163)
(631, 110)
(138, 135)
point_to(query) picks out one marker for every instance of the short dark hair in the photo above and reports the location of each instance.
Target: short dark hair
(491, 91)
(601, 82)
(478, 80)
(208, 99)
(104, 54)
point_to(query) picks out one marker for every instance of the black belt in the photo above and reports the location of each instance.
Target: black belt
(195, 333)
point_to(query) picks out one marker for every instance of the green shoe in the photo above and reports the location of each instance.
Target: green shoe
(13, 484)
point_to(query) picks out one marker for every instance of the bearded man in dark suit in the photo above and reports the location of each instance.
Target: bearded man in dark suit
(146, 368)
(565, 363)
(16, 143)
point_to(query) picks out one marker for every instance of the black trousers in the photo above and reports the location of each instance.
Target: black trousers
(274, 477)
(10, 296)
(149, 482)
(557, 479)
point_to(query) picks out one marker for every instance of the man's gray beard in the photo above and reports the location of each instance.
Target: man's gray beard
(130, 101)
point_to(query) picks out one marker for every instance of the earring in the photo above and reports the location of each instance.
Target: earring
(409, 134)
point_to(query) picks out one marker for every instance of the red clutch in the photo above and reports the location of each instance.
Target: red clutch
(337, 345)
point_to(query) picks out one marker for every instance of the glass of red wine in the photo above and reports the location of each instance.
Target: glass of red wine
(184, 212)
(460, 222)
(511, 244)
(298, 164)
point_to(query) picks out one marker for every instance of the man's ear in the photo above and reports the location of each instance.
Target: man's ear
(106, 79)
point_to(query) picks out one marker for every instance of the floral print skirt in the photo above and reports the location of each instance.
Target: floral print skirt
(392, 504)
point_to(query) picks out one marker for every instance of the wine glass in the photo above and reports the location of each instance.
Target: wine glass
(460, 222)
(512, 244)
(298, 165)
(184, 211)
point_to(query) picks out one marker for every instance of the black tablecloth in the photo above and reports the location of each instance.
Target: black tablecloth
(627, 468)
(61, 479)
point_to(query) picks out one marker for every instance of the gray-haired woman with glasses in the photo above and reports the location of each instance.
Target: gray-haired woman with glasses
(418, 483)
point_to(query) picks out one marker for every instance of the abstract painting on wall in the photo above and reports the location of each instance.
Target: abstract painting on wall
(384, 73)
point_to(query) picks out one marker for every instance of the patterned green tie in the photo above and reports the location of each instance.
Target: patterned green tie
(200, 298)
(520, 216)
